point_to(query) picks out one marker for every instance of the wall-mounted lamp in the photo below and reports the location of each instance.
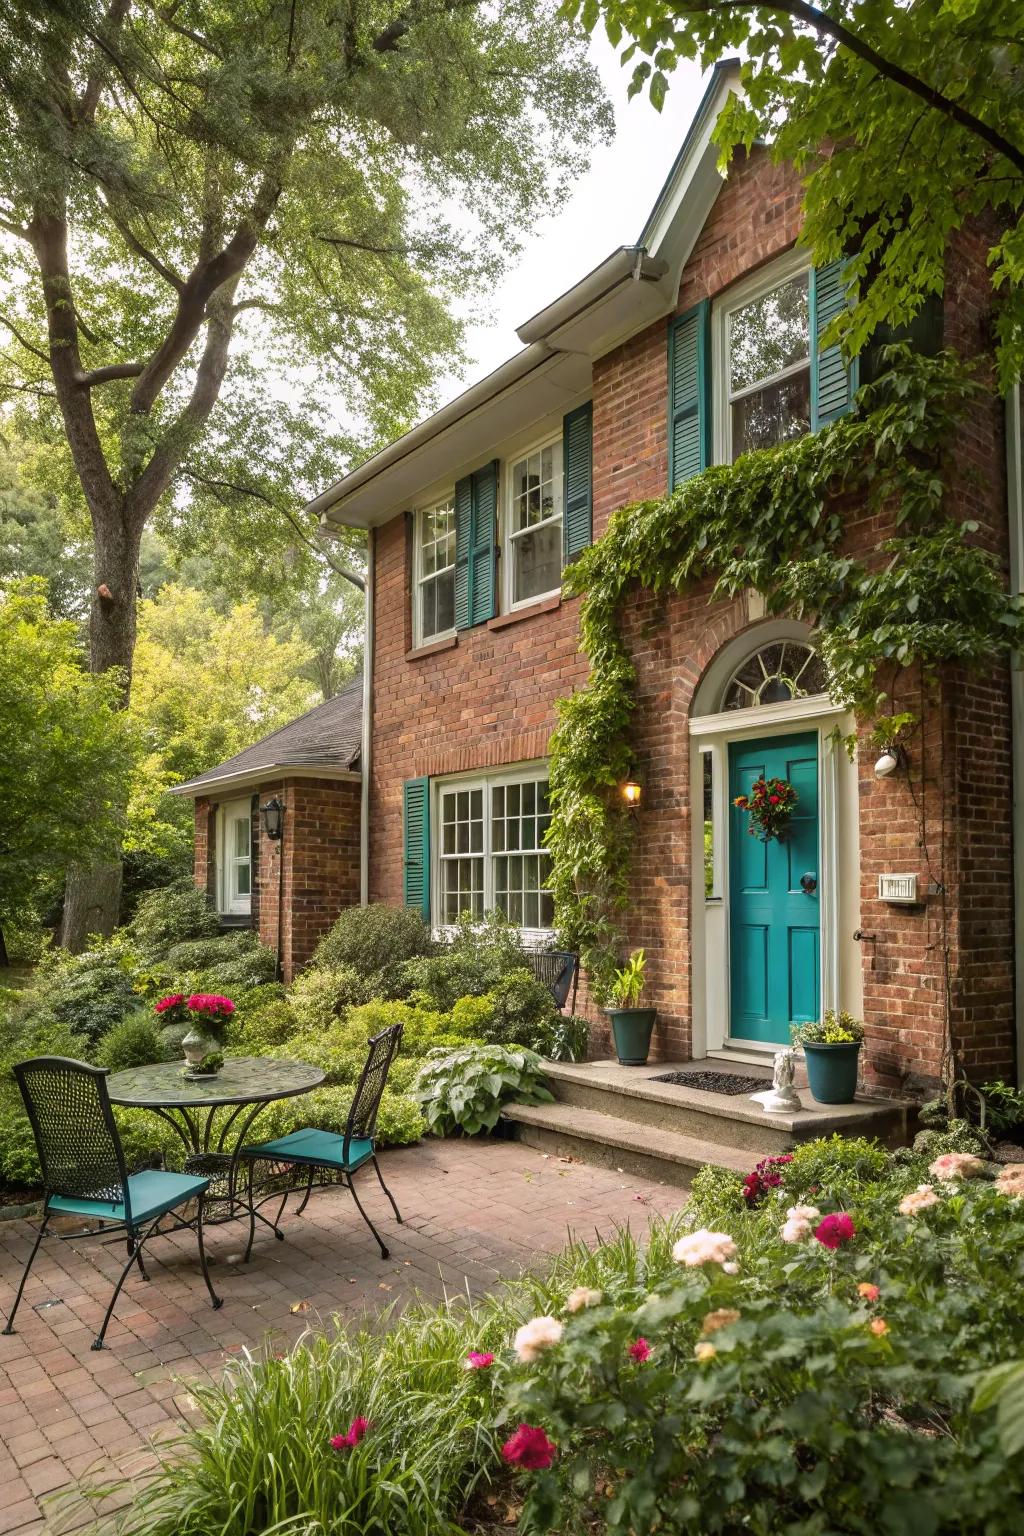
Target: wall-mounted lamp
(632, 792)
(892, 757)
(273, 819)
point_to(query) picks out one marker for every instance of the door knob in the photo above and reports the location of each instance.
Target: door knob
(808, 884)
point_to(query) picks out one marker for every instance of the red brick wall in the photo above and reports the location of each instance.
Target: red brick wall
(310, 874)
(490, 700)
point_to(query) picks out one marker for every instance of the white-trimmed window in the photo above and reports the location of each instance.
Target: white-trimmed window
(490, 852)
(434, 573)
(762, 346)
(235, 862)
(533, 525)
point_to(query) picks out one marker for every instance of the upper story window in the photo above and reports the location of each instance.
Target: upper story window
(235, 882)
(434, 582)
(533, 527)
(764, 344)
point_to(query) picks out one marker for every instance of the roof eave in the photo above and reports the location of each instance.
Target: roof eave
(251, 778)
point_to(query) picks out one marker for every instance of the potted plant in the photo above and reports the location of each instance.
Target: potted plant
(631, 1026)
(831, 1047)
(208, 1013)
(770, 804)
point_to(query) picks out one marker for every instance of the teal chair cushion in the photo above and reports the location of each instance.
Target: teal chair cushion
(322, 1149)
(151, 1193)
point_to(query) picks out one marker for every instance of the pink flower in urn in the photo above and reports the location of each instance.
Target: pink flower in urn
(530, 1448)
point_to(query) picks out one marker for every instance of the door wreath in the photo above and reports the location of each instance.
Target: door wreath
(769, 804)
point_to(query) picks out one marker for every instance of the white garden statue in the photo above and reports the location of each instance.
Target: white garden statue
(782, 1097)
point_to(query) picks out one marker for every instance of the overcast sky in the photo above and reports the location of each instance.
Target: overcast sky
(608, 209)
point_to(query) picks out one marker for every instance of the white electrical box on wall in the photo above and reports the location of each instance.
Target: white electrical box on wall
(901, 889)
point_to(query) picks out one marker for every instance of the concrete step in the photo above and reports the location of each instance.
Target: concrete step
(713, 1120)
(610, 1141)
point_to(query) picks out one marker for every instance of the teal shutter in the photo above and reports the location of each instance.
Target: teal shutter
(463, 547)
(476, 516)
(689, 400)
(833, 384)
(416, 837)
(483, 584)
(577, 470)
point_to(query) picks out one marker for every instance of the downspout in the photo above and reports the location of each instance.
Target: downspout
(366, 744)
(1015, 517)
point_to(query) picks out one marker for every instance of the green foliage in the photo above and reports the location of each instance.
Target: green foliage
(522, 1013)
(66, 756)
(835, 1167)
(773, 521)
(88, 993)
(399, 1122)
(375, 941)
(464, 1089)
(958, 1136)
(147, 1141)
(1004, 1106)
(1003, 1389)
(920, 112)
(322, 994)
(628, 982)
(716, 1195)
(779, 1398)
(264, 1019)
(19, 1160)
(832, 1029)
(174, 915)
(133, 1042)
(475, 960)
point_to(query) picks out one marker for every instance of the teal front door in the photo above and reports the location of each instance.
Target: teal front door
(774, 901)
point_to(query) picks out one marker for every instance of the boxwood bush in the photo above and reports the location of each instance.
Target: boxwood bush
(375, 941)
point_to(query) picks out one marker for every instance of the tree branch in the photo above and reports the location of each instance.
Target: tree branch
(36, 351)
(133, 242)
(106, 375)
(85, 110)
(800, 10)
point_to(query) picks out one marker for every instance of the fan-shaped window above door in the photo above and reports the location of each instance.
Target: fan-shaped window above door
(776, 674)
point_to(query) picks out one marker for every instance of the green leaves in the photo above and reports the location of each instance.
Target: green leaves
(463, 1090)
(1003, 1389)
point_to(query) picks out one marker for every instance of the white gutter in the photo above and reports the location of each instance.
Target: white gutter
(366, 749)
(1015, 517)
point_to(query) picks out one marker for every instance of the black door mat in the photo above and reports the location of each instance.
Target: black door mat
(715, 1082)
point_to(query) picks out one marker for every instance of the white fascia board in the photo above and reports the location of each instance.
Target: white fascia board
(252, 778)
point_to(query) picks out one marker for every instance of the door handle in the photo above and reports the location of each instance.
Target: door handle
(808, 884)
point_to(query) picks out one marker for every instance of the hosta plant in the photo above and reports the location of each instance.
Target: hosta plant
(464, 1089)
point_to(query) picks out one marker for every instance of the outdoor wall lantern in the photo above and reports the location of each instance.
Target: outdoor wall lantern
(273, 819)
(892, 757)
(632, 791)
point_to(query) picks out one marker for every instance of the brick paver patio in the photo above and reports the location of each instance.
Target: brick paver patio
(474, 1211)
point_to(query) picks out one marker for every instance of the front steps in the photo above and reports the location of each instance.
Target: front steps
(619, 1117)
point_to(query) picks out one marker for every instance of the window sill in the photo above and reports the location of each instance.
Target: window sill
(433, 648)
(543, 605)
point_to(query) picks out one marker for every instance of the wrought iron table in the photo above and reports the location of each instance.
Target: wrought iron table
(244, 1087)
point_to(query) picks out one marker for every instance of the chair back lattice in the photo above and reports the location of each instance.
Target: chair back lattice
(73, 1124)
(362, 1117)
(556, 968)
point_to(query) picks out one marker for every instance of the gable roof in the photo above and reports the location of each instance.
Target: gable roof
(634, 286)
(322, 743)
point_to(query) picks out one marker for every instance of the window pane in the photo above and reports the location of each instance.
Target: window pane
(537, 558)
(775, 414)
(521, 870)
(768, 335)
(436, 570)
(242, 878)
(242, 834)
(709, 825)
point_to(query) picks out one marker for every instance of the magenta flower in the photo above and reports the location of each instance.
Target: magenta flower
(640, 1351)
(475, 1361)
(356, 1430)
(173, 1001)
(530, 1447)
(835, 1230)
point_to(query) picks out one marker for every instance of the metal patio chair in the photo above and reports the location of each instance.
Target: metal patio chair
(558, 969)
(330, 1154)
(84, 1172)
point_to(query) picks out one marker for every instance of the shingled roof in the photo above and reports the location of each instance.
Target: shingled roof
(325, 738)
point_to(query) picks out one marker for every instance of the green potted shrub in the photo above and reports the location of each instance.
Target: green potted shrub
(632, 1027)
(831, 1047)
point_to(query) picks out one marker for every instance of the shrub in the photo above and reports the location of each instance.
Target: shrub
(475, 961)
(464, 1089)
(148, 1141)
(19, 1161)
(40, 1036)
(959, 1136)
(399, 1121)
(375, 941)
(323, 994)
(87, 992)
(524, 1013)
(230, 962)
(172, 916)
(716, 1195)
(570, 1035)
(255, 1031)
(133, 1042)
(835, 1167)
(1004, 1106)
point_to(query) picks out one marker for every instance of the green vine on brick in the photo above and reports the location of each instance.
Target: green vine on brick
(773, 521)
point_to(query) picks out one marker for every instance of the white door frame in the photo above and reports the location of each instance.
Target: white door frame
(710, 969)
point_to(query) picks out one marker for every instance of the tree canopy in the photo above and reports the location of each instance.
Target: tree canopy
(67, 751)
(906, 119)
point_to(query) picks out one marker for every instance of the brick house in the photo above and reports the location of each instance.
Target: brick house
(698, 341)
(277, 829)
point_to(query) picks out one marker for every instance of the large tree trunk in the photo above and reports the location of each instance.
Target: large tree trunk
(92, 896)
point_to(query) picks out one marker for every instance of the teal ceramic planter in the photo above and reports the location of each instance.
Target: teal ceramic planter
(832, 1072)
(631, 1030)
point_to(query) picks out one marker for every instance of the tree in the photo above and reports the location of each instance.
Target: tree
(906, 120)
(37, 538)
(67, 752)
(267, 186)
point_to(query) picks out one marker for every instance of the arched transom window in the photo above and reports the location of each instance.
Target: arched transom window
(776, 674)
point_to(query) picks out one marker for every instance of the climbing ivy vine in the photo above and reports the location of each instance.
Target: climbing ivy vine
(773, 521)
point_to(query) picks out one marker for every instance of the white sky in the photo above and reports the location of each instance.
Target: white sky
(608, 209)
